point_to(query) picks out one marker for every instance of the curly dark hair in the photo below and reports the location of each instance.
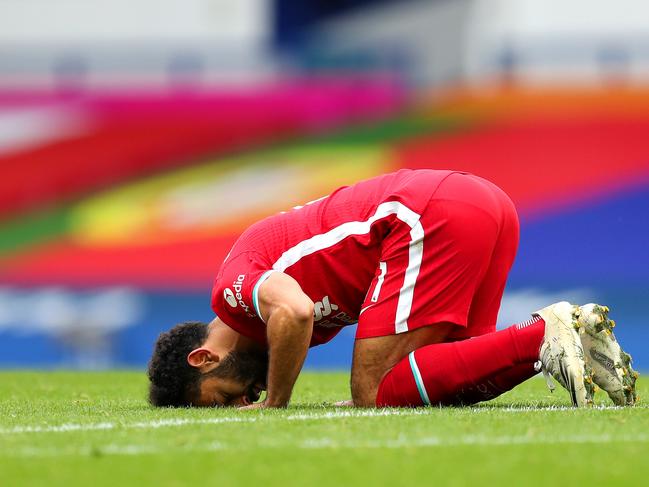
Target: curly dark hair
(173, 381)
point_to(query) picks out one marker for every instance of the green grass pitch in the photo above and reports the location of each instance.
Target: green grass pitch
(96, 429)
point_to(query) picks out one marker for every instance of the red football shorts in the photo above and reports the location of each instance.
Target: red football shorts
(451, 268)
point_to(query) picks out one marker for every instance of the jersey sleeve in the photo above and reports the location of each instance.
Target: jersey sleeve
(234, 295)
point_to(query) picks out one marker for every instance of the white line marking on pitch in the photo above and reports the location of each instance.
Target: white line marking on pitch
(330, 415)
(162, 423)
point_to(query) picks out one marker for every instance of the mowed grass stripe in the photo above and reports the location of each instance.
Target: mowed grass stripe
(326, 443)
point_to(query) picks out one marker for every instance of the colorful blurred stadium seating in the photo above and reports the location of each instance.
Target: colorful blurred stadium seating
(176, 193)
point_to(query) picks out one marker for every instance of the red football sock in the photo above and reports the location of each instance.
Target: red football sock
(498, 384)
(464, 372)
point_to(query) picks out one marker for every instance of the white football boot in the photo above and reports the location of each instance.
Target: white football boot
(611, 366)
(562, 354)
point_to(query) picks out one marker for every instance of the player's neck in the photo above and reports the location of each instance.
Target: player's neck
(223, 338)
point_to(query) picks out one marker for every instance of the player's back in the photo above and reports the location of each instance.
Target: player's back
(354, 208)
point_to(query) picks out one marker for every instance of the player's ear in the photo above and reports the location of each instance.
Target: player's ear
(202, 356)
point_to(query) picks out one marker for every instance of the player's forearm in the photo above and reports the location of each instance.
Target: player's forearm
(289, 333)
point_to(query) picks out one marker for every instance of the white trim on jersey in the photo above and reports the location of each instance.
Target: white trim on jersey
(255, 293)
(337, 234)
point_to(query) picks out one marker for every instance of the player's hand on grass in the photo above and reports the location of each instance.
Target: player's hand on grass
(256, 405)
(344, 404)
(263, 405)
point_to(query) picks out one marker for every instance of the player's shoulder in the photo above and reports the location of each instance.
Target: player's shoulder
(237, 281)
(240, 261)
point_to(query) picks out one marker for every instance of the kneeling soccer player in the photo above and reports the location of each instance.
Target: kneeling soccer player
(420, 260)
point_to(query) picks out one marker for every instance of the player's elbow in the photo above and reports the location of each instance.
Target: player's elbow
(299, 311)
(304, 311)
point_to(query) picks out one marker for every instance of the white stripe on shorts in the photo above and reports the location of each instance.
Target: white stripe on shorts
(383, 266)
(337, 234)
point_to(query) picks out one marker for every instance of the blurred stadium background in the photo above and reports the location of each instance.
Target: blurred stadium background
(137, 139)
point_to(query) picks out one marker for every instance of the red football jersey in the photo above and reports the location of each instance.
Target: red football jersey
(331, 247)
